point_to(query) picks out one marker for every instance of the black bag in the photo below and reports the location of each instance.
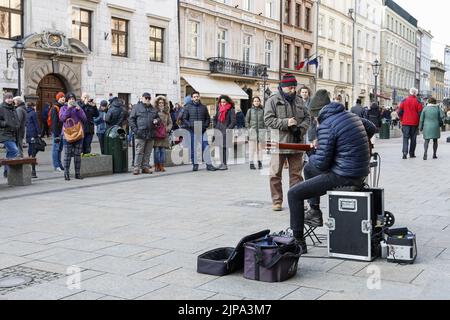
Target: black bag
(39, 144)
(271, 259)
(224, 261)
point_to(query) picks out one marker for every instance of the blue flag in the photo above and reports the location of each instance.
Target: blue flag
(314, 62)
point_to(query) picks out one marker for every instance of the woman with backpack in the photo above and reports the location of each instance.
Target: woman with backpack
(225, 119)
(72, 116)
(162, 133)
(255, 125)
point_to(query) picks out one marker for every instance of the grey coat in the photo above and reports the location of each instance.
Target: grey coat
(277, 114)
(141, 121)
(254, 122)
(9, 123)
(22, 116)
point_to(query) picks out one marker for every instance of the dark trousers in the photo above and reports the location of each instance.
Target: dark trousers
(45, 129)
(87, 141)
(72, 150)
(435, 146)
(317, 184)
(101, 140)
(409, 133)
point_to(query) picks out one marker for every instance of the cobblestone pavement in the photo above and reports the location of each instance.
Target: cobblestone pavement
(139, 238)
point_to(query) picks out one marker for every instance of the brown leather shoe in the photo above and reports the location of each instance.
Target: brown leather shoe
(161, 167)
(157, 167)
(147, 171)
(136, 172)
(277, 207)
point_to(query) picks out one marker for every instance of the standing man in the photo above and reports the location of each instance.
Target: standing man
(116, 115)
(409, 113)
(305, 94)
(196, 112)
(21, 111)
(143, 119)
(9, 124)
(358, 109)
(56, 128)
(91, 111)
(285, 112)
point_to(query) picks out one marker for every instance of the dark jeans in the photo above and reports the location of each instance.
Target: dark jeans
(409, 133)
(101, 140)
(159, 155)
(205, 149)
(87, 141)
(317, 184)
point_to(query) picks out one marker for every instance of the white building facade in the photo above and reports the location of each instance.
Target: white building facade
(398, 52)
(335, 33)
(425, 63)
(114, 47)
(447, 71)
(368, 26)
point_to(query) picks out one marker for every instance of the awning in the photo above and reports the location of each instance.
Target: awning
(211, 88)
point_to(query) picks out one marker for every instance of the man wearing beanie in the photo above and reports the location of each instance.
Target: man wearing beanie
(286, 117)
(342, 159)
(56, 128)
(9, 124)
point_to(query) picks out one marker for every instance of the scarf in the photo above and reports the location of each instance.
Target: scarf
(223, 112)
(289, 98)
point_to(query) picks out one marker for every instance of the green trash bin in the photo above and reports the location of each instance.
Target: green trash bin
(116, 145)
(385, 130)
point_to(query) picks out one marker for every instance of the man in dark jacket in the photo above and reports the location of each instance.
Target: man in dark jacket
(374, 115)
(342, 158)
(196, 114)
(91, 111)
(9, 124)
(358, 109)
(143, 120)
(21, 111)
(409, 112)
(116, 114)
(56, 128)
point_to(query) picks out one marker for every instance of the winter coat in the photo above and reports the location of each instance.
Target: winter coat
(343, 143)
(429, 122)
(100, 122)
(358, 110)
(409, 111)
(240, 120)
(141, 121)
(21, 111)
(196, 113)
(230, 121)
(76, 115)
(9, 123)
(116, 115)
(91, 113)
(45, 111)
(278, 111)
(166, 120)
(56, 123)
(254, 122)
(32, 124)
(374, 115)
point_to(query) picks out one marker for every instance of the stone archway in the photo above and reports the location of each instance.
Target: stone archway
(61, 69)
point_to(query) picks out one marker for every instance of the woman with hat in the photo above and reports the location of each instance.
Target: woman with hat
(72, 115)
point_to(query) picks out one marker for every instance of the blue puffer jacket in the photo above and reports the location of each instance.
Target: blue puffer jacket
(343, 143)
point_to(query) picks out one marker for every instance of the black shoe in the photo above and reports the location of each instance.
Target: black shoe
(405, 157)
(435, 157)
(260, 165)
(302, 243)
(425, 157)
(33, 175)
(412, 156)
(195, 168)
(314, 218)
(252, 166)
(210, 167)
(67, 177)
(78, 177)
(62, 168)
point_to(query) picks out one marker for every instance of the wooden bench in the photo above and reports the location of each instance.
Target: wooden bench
(19, 173)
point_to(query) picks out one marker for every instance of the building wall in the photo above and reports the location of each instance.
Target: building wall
(447, 71)
(101, 73)
(425, 63)
(398, 55)
(438, 80)
(335, 49)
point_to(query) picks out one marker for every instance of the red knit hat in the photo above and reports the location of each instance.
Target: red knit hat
(288, 80)
(60, 95)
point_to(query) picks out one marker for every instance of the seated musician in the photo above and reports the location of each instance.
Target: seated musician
(341, 158)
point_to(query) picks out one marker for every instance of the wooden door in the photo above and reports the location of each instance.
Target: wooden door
(49, 86)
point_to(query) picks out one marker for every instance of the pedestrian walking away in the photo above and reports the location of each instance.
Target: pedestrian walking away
(409, 113)
(431, 121)
(72, 115)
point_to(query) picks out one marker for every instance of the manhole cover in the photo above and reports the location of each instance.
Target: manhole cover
(12, 282)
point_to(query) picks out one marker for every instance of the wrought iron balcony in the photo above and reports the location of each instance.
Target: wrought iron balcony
(236, 67)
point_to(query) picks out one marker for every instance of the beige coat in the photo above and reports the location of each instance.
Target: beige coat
(166, 120)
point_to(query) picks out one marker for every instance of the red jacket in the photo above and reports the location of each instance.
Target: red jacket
(410, 110)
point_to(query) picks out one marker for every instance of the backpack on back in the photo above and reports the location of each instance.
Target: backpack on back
(49, 116)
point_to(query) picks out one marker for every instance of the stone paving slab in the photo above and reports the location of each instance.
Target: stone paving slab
(19, 248)
(7, 260)
(177, 292)
(304, 293)
(85, 295)
(122, 250)
(46, 291)
(115, 265)
(185, 277)
(83, 244)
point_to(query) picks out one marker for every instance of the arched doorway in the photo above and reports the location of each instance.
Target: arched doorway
(49, 86)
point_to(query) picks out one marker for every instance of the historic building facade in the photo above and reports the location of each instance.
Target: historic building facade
(438, 80)
(425, 63)
(115, 47)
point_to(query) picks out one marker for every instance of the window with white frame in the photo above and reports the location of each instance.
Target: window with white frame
(247, 48)
(248, 5)
(270, 9)
(269, 53)
(321, 26)
(222, 38)
(193, 39)
(331, 29)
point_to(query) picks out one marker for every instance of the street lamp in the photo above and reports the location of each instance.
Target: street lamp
(18, 52)
(265, 77)
(376, 66)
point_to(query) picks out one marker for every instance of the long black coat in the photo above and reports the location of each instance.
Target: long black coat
(9, 123)
(91, 113)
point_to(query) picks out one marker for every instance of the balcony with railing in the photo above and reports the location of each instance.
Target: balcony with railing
(238, 68)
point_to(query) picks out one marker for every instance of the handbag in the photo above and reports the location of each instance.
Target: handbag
(161, 132)
(39, 144)
(271, 259)
(73, 133)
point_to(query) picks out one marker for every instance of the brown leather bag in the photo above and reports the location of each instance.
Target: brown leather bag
(73, 132)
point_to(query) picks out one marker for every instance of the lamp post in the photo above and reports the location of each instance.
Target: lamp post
(265, 77)
(376, 66)
(18, 52)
